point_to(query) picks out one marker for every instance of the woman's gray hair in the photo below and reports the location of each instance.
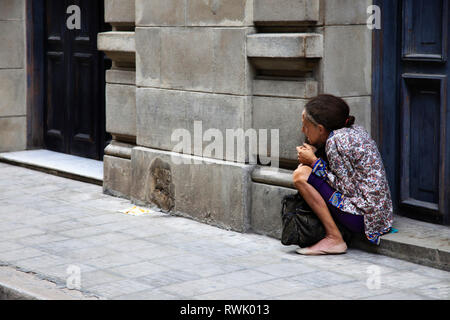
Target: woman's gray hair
(309, 117)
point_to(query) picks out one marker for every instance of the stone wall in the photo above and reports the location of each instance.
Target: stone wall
(230, 64)
(12, 76)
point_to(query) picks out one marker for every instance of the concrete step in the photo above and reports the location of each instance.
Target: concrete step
(416, 241)
(60, 164)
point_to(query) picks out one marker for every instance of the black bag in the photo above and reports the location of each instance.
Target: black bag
(301, 226)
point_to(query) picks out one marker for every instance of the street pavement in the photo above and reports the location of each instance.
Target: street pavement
(51, 226)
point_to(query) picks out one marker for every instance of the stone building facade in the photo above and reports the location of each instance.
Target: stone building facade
(207, 64)
(229, 64)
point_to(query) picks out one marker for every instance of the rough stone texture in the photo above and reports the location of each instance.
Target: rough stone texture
(285, 45)
(160, 112)
(121, 110)
(13, 134)
(199, 59)
(119, 12)
(286, 12)
(219, 13)
(284, 115)
(160, 12)
(347, 61)
(266, 207)
(343, 12)
(12, 9)
(12, 92)
(12, 51)
(214, 192)
(117, 176)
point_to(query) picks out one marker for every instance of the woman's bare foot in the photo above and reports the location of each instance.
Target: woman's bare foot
(328, 245)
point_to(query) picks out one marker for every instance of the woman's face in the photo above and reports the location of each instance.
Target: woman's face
(313, 133)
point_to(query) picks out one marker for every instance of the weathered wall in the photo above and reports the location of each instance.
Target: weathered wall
(12, 76)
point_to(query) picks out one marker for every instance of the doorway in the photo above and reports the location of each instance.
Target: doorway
(66, 78)
(411, 116)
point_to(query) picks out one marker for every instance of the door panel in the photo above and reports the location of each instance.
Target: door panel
(425, 29)
(75, 80)
(411, 104)
(421, 140)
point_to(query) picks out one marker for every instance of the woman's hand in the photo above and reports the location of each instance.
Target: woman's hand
(306, 155)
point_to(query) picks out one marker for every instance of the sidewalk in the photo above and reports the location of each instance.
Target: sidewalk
(48, 223)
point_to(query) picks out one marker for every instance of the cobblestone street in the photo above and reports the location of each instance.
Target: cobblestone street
(48, 223)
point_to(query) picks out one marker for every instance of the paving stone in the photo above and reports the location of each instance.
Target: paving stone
(168, 277)
(210, 269)
(276, 287)
(406, 280)
(435, 291)
(21, 233)
(189, 289)
(9, 246)
(119, 288)
(398, 295)
(229, 294)
(320, 279)
(113, 260)
(40, 239)
(285, 269)
(97, 277)
(150, 295)
(137, 270)
(20, 254)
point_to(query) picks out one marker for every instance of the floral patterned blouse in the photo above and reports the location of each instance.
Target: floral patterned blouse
(356, 171)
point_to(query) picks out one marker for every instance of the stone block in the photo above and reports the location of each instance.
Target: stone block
(198, 59)
(118, 46)
(13, 134)
(265, 215)
(121, 109)
(12, 50)
(119, 12)
(229, 13)
(187, 58)
(343, 12)
(347, 61)
(286, 12)
(285, 45)
(160, 12)
(121, 76)
(284, 115)
(285, 88)
(12, 92)
(117, 176)
(232, 71)
(160, 112)
(213, 192)
(12, 9)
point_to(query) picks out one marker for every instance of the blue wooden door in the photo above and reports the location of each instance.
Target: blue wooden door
(412, 117)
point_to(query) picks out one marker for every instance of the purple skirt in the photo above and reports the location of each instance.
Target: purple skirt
(353, 222)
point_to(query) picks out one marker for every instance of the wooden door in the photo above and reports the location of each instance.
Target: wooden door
(411, 96)
(74, 99)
